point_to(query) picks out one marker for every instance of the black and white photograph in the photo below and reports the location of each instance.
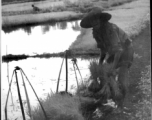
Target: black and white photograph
(75, 60)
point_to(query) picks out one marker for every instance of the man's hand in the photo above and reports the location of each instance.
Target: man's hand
(106, 58)
(102, 57)
(112, 72)
(116, 60)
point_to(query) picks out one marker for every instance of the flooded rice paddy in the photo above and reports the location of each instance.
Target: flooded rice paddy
(42, 73)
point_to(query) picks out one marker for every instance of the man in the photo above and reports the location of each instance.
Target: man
(114, 44)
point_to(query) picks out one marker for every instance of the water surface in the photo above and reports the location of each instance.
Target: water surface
(42, 73)
(40, 39)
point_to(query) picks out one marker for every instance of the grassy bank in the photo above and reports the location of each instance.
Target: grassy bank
(43, 18)
(144, 105)
(130, 17)
(63, 10)
(50, 11)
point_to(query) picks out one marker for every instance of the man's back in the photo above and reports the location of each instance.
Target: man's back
(109, 37)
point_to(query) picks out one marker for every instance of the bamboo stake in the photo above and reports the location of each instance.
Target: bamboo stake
(8, 79)
(76, 75)
(27, 98)
(59, 76)
(66, 64)
(79, 71)
(19, 95)
(76, 80)
(35, 95)
(8, 96)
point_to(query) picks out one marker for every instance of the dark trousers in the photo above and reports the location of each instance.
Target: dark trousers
(123, 66)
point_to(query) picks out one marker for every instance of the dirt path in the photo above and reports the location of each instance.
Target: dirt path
(142, 49)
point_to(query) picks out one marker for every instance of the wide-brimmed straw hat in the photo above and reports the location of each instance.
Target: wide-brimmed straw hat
(95, 13)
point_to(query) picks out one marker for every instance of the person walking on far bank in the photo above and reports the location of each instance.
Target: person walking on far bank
(114, 45)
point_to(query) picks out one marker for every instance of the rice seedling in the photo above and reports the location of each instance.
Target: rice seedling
(58, 107)
(97, 87)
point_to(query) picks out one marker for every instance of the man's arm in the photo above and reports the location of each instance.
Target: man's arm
(102, 57)
(114, 64)
(116, 60)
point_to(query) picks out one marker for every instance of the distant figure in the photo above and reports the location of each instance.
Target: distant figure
(35, 8)
(114, 44)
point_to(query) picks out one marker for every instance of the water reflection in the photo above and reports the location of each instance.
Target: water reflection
(27, 30)
(76, 26)
(62, 25)
(45, 27)
(59, 25)
(48, 38)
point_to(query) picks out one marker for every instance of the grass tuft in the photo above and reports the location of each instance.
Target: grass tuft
(108, 87)
(144, 105)
(58, 107)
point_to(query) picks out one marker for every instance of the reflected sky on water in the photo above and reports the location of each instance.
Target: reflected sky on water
(48, 38)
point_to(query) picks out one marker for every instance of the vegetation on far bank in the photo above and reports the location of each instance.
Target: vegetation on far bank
(130, 17)
(16, 14)
(74, 53)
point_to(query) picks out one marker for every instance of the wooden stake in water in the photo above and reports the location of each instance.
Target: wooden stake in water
(19, 95)
(36, 95)
(76, 75)
(59, 77)
(8, 96)
(27, 98)
(8, 79)
(79, 72)
(66, 64)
